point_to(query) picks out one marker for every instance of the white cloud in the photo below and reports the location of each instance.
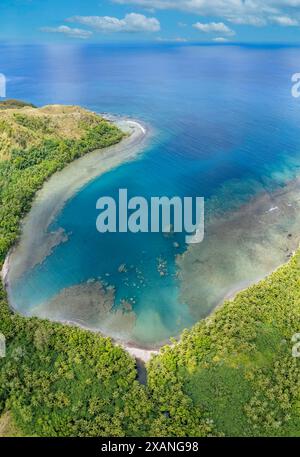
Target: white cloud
(132, 22)
(252, 12)
(220, 39)
(214, 27)
(285, 21)
(68, 31)
(255, 21)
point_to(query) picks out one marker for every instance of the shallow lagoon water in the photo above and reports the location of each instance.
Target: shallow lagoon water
(226, 128)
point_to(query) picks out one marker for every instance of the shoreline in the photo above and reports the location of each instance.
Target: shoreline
(254, 238)
(60, 188)
(67, 183)
(137, 352)
(63, 185)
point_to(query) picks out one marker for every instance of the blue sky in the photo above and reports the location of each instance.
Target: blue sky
(215, 21)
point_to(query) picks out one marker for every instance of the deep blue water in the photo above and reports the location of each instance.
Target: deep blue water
(226, 127)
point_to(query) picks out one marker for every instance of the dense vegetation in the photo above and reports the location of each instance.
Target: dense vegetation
(232, 374)
(236, 368)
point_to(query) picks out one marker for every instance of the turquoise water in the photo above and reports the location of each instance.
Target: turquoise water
(226, 128)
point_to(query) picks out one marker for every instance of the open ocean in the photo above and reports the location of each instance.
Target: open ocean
(225, 127)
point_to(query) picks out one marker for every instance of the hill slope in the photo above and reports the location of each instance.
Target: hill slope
(26, 126)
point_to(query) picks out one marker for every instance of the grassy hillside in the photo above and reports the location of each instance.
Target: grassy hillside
(231, 375)
(15, 104)
(24, 126)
